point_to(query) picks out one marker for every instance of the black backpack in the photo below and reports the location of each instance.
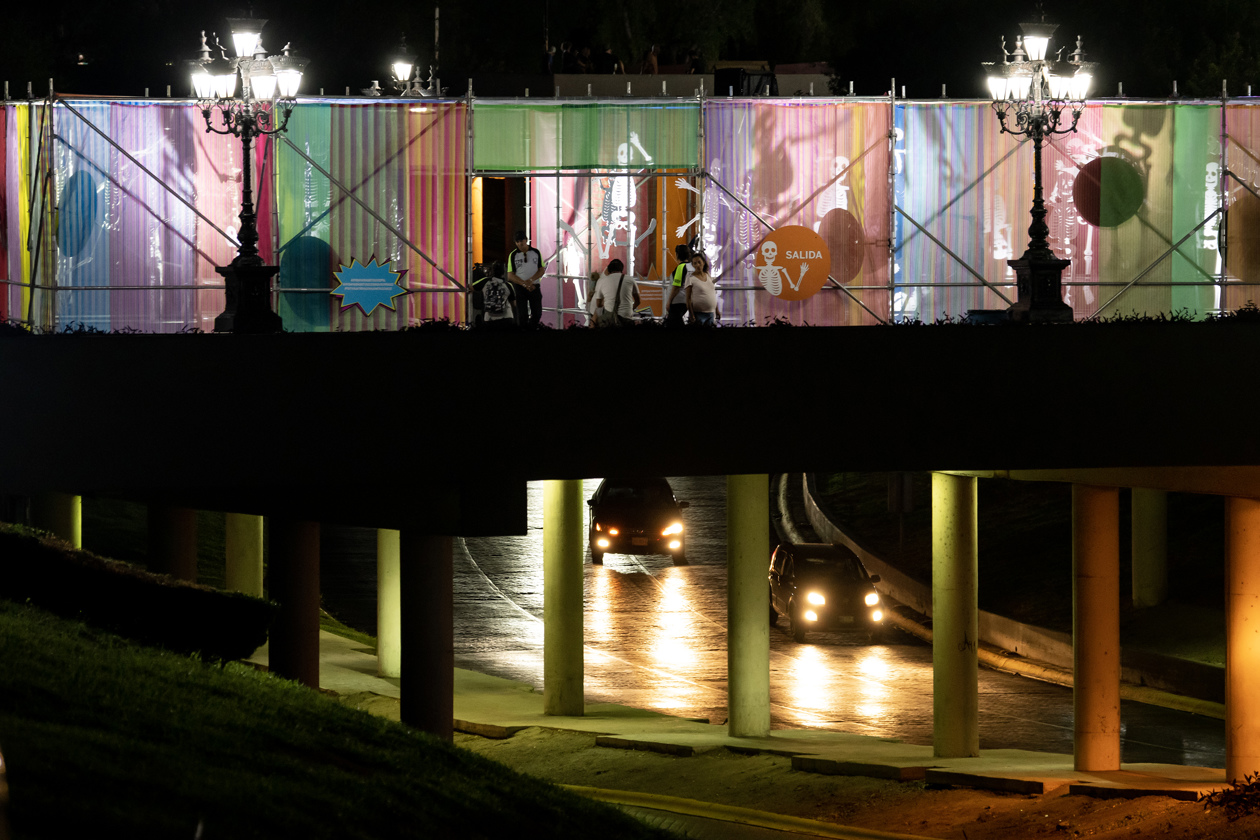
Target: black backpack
(496, 294)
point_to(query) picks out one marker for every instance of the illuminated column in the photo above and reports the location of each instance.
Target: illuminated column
(1150, 547)
(1242, 637)
(1096, 626)
(388, 605)
(294, 566)
(60, 513)
(747, 614)
(244, 553)
(955, 617)
(426, 590)
(563, 574)
(173, 541)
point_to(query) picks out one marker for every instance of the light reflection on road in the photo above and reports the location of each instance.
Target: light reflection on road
(655, 638)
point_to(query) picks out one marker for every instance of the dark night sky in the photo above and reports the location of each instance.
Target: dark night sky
(134, 44)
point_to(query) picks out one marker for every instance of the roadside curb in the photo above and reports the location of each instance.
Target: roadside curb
(1002, 660)
(735, 814)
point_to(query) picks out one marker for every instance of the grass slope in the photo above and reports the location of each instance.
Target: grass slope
(105, 738)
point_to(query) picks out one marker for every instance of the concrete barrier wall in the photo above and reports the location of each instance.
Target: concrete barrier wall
(1138, 667)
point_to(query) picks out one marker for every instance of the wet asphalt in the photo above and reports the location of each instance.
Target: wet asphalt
(655, 636)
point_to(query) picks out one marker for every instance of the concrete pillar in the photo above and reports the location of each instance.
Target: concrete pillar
(1242, 637)
(747, 613)
(244, 553)
(388, 605)
(294, 586)
(428, 633)
(60, 513)
(955, 617)
(1096, 626)
(563, 577)
(173, 541)
(1149, 521)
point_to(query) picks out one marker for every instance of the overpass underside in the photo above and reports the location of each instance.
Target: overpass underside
(390, 430)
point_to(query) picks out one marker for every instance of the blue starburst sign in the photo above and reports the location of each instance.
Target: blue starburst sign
(368, 285)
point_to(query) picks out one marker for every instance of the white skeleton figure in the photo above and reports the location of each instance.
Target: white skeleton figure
(621, 196)
(771, 275)
(837, 194)
(711, 200)
(573, 264)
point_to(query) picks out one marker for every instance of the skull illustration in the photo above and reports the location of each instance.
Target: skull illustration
(769, 250)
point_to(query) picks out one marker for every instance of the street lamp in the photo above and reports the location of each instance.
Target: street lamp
(1038, 96)
(267, 83)
(408, 73)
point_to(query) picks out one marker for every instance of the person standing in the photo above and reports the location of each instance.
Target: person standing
(676, 296)
(650, 65)
(497, 298)
(701, 293)
(525, 267)
(616, 297)
(592, 312)
(607, 62)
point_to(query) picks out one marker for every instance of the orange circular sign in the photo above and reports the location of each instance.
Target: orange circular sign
(793, 263)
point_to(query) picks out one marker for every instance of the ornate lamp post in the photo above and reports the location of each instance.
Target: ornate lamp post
(407, 73)
(268, 84)
(1037, 96)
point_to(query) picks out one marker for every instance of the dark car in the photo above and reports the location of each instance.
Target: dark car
(823, 587)
(636, 516)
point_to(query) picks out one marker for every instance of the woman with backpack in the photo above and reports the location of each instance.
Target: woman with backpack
(498, 301)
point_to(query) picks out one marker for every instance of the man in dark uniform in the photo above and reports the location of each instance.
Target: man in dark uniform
(675, 297)
(525, 268)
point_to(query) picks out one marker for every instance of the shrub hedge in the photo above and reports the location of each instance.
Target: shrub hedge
(148, 608)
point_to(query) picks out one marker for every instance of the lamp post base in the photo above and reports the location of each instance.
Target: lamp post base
(1040, 285)
(248, 308)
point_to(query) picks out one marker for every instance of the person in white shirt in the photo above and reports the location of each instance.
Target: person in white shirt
(616, 297)
(701, 293)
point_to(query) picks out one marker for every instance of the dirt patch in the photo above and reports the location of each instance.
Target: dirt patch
(768, 783)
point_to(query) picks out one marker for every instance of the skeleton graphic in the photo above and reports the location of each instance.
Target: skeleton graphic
(836, 195)
(622, 195)
(772, 276)
(711, 201)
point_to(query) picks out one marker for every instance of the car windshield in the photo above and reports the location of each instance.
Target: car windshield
(844, 568)
(643, 494)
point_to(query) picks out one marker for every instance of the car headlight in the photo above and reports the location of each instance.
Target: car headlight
(613, 531)
(601, 542)
(816, 598)
(877, 615)
(810, 615)
(674, 545)
(872, 598)
(675, 528)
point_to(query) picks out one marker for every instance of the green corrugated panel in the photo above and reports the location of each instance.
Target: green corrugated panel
(521, 137)
(1195, 172)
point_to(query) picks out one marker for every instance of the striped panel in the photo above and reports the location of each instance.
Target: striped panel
(369, 157)
(4, 212)
(18, 169)
(1172, 150)
(88, 197)
(437, 208)
(1242, 186)
(794, 163)
(942, 189)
